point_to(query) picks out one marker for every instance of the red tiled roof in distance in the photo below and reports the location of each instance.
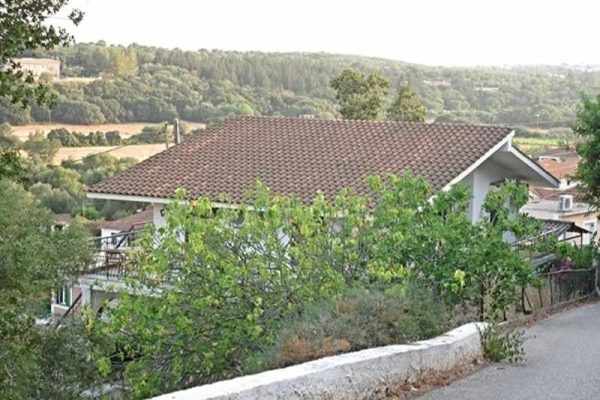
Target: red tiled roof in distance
(300, 157)
(554, 194)
(565, 168)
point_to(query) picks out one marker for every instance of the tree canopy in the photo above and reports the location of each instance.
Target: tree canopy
(24, 26)
(209, 85)
(407, 107)
(35, 259)
(587, 126)
(360, 96)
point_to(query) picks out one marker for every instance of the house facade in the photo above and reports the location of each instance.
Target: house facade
(565, 203)
(302, 157)
(40, 66)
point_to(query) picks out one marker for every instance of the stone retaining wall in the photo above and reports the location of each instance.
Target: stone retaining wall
(358, 375)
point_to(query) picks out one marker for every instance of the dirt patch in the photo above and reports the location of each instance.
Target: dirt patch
(138, 151)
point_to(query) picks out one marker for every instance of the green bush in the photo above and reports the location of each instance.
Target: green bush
(358, 319)
(498, 346)
(582, 257)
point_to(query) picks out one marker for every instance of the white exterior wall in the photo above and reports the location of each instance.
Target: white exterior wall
(157, 219)
(479, 181)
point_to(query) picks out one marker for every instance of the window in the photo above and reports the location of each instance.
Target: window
(63, 296)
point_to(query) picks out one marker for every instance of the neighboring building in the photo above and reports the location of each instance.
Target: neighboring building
(302, 157)
(562, 164)
(112, 244)
(39, 66)
(565, 203)
(130, 223)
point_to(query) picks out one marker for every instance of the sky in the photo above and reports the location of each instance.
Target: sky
(434, 32)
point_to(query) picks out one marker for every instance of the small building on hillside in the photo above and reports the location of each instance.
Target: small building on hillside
(40, 66)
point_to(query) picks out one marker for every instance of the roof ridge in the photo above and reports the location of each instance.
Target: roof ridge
(362, 121)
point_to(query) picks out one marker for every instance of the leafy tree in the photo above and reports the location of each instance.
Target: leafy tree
(360, 97)
(41, 148)
(11, 165)
(208, 86)
(34, 260)
(123, 62)
(407, 107)
(8, 141)
(235, 274)
(77, 112)
(588, 127)
(24, 26)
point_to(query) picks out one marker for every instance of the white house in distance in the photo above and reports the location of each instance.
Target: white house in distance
(40, 66)
(301, 157)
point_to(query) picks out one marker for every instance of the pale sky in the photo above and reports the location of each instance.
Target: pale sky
(437, 32)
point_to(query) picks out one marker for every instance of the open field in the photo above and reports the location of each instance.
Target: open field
(137, 151)
(126, 130)
(532, 145)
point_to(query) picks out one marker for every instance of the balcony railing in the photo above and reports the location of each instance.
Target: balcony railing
(111, 258)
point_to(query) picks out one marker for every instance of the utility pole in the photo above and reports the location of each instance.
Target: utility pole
(165, 129)
(177, 132)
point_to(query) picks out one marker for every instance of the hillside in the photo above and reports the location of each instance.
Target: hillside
(147, 84)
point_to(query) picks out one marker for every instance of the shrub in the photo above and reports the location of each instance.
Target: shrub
(582, 257)
(498, 346)
(40, 148)
(359, 319)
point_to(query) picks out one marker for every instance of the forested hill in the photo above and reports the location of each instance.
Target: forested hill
(154, 84)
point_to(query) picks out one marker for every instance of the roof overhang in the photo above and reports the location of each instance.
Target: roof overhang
(513, 159)
(537, 169)
(126, 197)
(145, 199)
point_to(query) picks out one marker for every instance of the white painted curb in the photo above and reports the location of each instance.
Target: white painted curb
(355, 375)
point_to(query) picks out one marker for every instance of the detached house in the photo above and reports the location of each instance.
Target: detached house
(301, 157)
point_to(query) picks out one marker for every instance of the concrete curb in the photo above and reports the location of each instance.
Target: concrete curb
(357, 375)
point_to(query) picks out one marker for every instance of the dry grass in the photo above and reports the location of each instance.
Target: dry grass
(138, 151)
(126, 130)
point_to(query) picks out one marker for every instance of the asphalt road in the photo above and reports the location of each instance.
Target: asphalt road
(563, 362)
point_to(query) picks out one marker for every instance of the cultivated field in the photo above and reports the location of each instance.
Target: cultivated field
(126, 130)
(137, 151)
(536, 145)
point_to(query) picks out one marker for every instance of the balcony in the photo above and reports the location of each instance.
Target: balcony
(112, 256)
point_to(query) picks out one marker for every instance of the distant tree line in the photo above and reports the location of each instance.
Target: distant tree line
(61, 188)
(154, 85)
(148, 135)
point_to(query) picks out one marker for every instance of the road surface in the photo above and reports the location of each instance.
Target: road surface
(563, 363)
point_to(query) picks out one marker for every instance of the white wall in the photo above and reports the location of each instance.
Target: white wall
(157, 218)
(358, 375)
(479, 182)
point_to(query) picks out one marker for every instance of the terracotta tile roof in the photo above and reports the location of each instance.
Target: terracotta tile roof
(564, 168)
(554, 194)
(295, 156)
